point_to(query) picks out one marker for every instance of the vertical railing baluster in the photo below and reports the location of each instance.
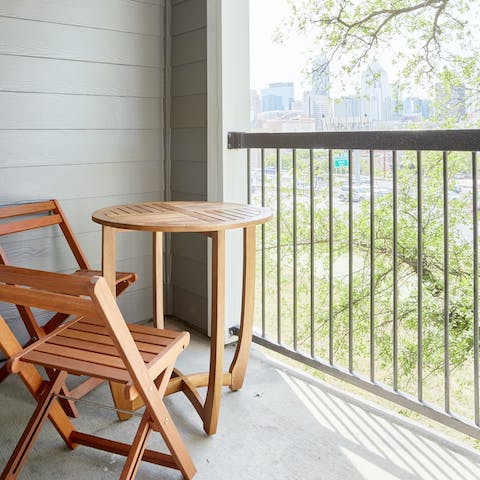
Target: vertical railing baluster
(294, 226)
(350, 262)
(419, 277)
(279, 248)
(263, 242)
(446, 286)
(476, 372)
(312, 258)
(330, 257)
(372, 267)
(394, 268)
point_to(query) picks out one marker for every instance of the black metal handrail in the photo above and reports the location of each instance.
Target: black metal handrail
(431, 140)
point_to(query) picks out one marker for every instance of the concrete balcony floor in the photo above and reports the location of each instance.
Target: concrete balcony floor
(281, 425)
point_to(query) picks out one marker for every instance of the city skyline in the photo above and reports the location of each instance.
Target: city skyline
(377, 105)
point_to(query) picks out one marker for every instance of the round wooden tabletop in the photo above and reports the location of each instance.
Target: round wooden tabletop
(181, 216)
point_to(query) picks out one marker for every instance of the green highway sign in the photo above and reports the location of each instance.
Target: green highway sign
(341, 160)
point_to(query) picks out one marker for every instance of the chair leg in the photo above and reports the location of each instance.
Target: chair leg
(68, 405)
(33, 428)
(138, 447)
(32, 379)
(175, 444)
(4, 373)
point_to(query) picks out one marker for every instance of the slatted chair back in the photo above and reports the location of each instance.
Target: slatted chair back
(96, 341)
(42, 214)
(30, 216)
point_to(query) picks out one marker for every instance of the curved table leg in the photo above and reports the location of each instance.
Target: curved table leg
(215, 379)
(239, 363)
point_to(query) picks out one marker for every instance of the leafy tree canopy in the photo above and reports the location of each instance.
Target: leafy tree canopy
(430, 40)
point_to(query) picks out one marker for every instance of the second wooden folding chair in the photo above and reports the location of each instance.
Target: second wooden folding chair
(15, 219)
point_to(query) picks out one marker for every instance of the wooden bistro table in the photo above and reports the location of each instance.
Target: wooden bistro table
(211, 219)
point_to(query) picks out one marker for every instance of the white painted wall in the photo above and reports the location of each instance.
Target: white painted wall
(228, 77)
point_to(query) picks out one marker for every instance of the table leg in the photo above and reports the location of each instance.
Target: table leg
(157, 269)
(215, 379)
(109, 272)
(109, 257)
(240, 360)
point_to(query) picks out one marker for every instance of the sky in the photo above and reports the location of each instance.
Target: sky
(270, 62)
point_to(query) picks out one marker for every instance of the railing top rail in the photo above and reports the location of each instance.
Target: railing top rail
(429, 140)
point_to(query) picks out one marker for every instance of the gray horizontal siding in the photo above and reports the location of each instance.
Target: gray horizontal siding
(79, 181)
(50, 40)
(182, 76)
(81, 101)
(53, 111)
(189, 144)
(193, 307)
(189, 111)
(73, 147)
(189, 15)
(189, 47)
(118, 15)
(190, 177)
(50, 75)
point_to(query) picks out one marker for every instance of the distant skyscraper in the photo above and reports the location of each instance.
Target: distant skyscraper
(319, 101)
(376, 94)
(348, 107)
(255, 107)
(320, 76)
(279, 96)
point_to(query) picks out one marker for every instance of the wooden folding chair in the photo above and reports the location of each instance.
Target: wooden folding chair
(29, 216)
(96, 342)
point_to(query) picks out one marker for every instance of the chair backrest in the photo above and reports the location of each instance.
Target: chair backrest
(29, 216)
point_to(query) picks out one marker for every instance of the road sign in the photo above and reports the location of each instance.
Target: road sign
(341, 160)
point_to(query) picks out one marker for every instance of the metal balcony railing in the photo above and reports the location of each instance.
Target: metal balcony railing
(369, 271)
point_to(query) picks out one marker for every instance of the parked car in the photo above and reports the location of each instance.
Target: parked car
(361, 192)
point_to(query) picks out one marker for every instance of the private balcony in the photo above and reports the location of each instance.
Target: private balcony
(368, 272)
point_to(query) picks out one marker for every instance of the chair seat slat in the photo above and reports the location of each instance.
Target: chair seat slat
(141, 336)
(135, 327)
(87, 346)
(120, 276)
(78, 367)
(87, 336)
(103, 340)
(156, 332)
(67, 353)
